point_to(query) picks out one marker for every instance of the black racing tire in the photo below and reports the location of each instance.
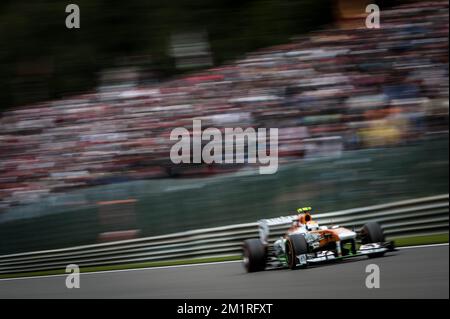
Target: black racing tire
(255, 254)
(372, 233)
(296, 244)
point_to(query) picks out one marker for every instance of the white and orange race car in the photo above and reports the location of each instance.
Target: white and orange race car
(306, 242)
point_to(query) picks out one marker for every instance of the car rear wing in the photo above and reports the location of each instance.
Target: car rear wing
(271, 228)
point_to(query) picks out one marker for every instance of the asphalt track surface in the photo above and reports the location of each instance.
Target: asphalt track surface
(408, 273)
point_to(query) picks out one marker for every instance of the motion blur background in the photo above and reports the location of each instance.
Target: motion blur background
(86, 113)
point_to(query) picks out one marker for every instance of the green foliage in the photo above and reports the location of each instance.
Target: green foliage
(40, 58)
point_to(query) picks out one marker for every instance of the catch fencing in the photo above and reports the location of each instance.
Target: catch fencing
(420, 216)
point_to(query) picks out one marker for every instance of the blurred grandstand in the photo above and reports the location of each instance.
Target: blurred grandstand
(330, 91)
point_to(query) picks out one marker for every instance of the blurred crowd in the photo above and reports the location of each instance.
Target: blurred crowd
(327, 92)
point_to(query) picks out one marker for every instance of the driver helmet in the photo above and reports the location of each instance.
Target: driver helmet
(312, 225)
(304, 218)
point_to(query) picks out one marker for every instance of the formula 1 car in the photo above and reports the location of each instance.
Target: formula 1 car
(305, 243)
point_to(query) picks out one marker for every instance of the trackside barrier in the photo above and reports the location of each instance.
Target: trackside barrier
(420, 216)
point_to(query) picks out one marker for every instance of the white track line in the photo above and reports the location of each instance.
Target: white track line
(423, 246)
(126, 270)
(179, 266)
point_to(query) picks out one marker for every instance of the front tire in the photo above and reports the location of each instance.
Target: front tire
(254, 255)
(296, 245)
(372, 233)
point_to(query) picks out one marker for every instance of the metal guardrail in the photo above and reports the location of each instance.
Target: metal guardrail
(410, 217)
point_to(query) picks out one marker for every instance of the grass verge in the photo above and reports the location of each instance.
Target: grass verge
(399, 242)
(421, 240)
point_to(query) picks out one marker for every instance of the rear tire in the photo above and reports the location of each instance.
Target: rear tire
(372, 233)
(254, 255)
(295, 245)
